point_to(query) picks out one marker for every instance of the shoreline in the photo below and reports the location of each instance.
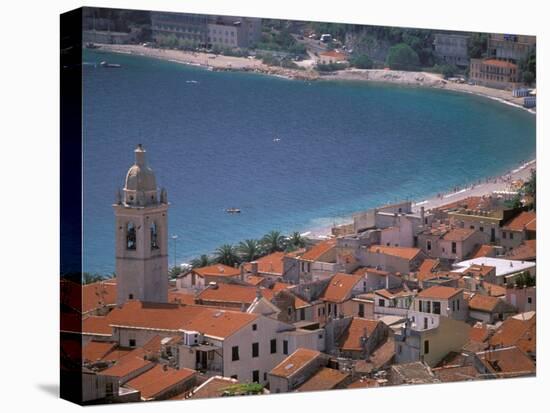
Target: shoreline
(243, 64)
(484, 187)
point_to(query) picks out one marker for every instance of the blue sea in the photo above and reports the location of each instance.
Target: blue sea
(292, 155)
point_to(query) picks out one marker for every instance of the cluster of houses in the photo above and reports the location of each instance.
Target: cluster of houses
(403, 296)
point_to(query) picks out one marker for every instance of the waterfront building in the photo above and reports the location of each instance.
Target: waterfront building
(448, 243)
(452, 48)
(332, 57)
(141, 236)
(510, 46)
(495, 73)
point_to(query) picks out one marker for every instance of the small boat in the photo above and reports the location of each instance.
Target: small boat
(233, 210)
(277, 140)
(107, 64)
(91, 45)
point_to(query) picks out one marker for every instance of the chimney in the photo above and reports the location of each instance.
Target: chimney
(254, 267)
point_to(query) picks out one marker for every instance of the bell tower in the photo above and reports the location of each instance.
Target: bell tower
(141, 233)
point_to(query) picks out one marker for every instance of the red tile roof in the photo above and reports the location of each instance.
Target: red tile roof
(316, 252)
(254, 280)
(210, 321)
(499, 63)
(217, 270)
(357, 329)
(98, 325)
(483, 303)
(181, 297)
(427, 268)
(290, 365)
(400, 252)
(521, 221)
(158, 380)
(508, 362)
(514, 332)
(451, 374)
(335, 54)
(479, 334)
(484, 251)
(97, 350)
(439, 292)
(269, 264)
(97, 295)
(323, 379)
(527, 251)
(213, 387)
(233, 294)
(458, 234)
(340, 287)
(128, 364)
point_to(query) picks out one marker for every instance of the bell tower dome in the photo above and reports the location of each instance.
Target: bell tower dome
(141, 215)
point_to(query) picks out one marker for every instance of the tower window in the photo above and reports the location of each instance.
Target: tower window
(130, 236)
(154, 236)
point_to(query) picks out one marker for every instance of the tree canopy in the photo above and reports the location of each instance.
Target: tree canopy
(402, 57)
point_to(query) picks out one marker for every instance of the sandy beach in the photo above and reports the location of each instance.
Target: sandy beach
(487, 186)
(247, 64)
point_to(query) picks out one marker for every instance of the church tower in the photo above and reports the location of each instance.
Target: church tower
(141, 219)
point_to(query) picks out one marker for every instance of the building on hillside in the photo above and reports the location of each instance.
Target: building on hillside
(401, 260)
(294, 370)
(199, 278)
(489, 309)
(448, 243)
(506, 271)
(452, 48)
(504, 363)
(141, 236)
(325, 379)
(510, 46)
(441, 300)
(520, 228)
(338, 294)
(523, 298)
(395, 302)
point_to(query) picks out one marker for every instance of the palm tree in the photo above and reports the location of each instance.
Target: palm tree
(273, 241)
(296, 240)
(202, 261)
(249, 250)
(227, 254)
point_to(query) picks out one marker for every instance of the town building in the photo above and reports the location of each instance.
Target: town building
(332, 57)
(199, 278)
(520, 228)
(441, 300)
(449, 243)
(495, 73)
(294, 370)
(510, 46)
(141, 236)
(452, 48)
(505, 273)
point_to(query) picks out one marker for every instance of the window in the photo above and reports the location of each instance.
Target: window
(361, 310)
(437, 307)
(381, 302)
(453, 305)
(285, 346)
(319, 312)
(399, 348)
(154, 236)
(130, 296)
(511, 235)
(481, 229)
(426, 346)
(428, 306)
(273, 345)
(425, 323)
(254, 327)
(503, 235)
(235, 353)
(364, 286)
(419, 305)
(265, 376)
(529, 300)
(302, 313)
(255, 376)
(453, 247)
(472, 227)
(457, 305)
(130, 236)
(255, 349)
(132, 342)
(234, 376)
(335, 310)
(429, 245)
(289, 311)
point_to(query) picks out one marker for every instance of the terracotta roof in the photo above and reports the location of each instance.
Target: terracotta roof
(323, 379)
(499, 63)
(471, 203)
(520, 221)
(233, 293)
(358, 327)
(390, 294)
(269, 264)
(483, 303)
(484, 251)
(510, 361)
(369, 270)
(217, 270)
(335, 54)
(317, 251)
(439, 292)
(479, 334)
(290, 365)
(213, 387)
(458, 234)
(340, 287)
(280, 286)
(181, 297)
(363, 383)
(401, 252)
(515, 332)
(210, 321)
(427, 269)
(128, 364)
(97, 350)
(117, 354)
(98, 325)
(254, 280)
(158, 380)
(494, 290)
(479, 270)
(527, 251)
(97, 295)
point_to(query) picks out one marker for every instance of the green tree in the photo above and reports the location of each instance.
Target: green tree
(227, 254)
(477, 45)
(89, 278)
(446, 70)
(273, 241)
(175, 271)
(202, 261)
(249, 250)
(362, 61)
(296, 240)
(402, 57)
(528, 77)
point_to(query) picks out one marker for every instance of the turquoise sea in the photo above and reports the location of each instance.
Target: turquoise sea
(292, 155)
